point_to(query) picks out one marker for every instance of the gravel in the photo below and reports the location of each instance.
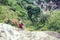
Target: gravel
(8, 32)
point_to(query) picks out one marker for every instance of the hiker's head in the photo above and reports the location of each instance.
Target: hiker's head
(20, 21)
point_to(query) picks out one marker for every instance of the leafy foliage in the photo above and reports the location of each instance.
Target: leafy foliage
(5, 13)
(31, 15)
(53, 22)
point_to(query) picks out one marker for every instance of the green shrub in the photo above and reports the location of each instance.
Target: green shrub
(4, 1)
(6, 13)
(53, 22)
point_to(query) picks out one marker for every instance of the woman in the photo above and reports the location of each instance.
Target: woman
(21, 25)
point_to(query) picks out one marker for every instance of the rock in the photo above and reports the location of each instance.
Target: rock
(8, 32)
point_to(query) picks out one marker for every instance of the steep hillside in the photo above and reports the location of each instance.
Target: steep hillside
(35, 14)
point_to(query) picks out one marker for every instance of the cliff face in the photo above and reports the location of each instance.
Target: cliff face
(7, 32)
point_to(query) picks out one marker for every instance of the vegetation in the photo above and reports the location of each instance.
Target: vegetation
(31, 15)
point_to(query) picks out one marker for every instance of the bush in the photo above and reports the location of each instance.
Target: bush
(33, 13)
(4, 1)
(6, 13)
(53, 22)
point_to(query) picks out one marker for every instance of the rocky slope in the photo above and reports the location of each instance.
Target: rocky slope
(7, 32)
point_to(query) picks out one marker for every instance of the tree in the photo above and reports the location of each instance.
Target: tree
(47, 1)
(33, 13)
(4, 1)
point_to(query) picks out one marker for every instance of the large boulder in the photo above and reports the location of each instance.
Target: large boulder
(8, 32)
